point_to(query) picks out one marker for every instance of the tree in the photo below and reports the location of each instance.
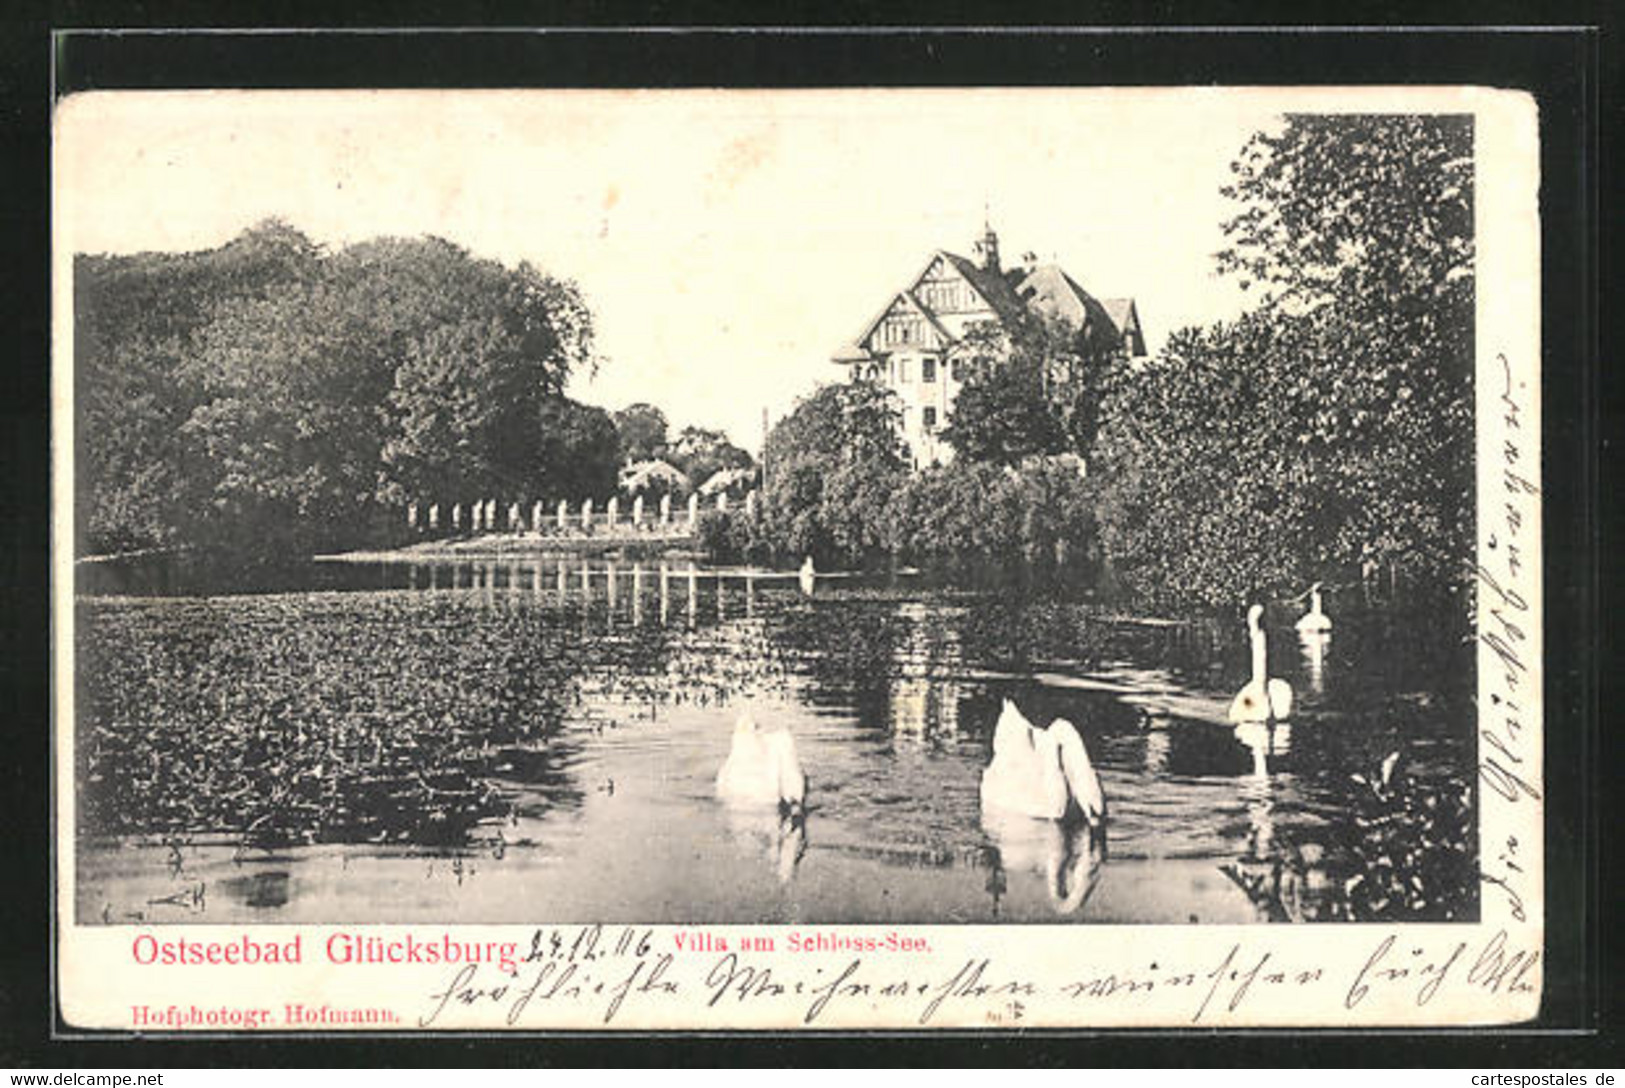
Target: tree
(1366, 222)
(836, 460)
(1330, 429)
(701, 453)
(266, 396)
(134, 321)
(1369, 212)
(1204, 491)
(976, 515)
(580, 451)
(1033, 389)
(642, 429)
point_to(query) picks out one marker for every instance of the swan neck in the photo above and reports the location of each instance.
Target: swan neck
(1260, 655)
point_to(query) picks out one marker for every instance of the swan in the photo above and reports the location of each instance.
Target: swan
(1042, 773)
(808, 576)
(1263, 699)
(762, 768)
(1314, 621)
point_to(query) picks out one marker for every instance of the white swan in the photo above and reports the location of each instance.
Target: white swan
(1314, 621)
(1042, 773)
(762, 768)
(808, 576)
(1263, 699)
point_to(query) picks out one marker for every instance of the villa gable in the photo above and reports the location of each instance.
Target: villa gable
(904, 325)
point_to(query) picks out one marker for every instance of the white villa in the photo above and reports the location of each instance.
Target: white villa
(910, 345)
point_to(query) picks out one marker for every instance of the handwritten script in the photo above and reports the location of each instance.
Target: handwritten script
(1506, 627)
(600, 974)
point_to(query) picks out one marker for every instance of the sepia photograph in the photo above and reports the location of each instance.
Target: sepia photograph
(843, 521)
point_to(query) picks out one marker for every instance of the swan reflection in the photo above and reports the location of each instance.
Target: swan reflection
(1314, 646)
(1066, 858)
(1285, 877)
(1265, 742)
(1158, 736)
(764, 832)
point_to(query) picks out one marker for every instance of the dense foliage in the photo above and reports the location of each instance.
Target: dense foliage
(1329, 431)
(838, 489)
(1033, 388)
(649, 453)
(353, 717)
(642, 431)
(369, 717)
(701, 453)
(976, 516)
(832, 466)
(268, 395)
(1410, 856)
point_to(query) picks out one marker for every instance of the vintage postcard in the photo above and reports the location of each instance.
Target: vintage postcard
(809, 559)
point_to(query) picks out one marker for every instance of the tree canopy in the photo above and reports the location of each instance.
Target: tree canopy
(1330, 429)
(268, 393)
(642, 429)
(1364, 211)
(701, 453)
(1032, 388)
(831, 467)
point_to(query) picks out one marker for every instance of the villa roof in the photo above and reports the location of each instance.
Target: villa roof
(1048, 289)
(724, 478)
(1121, 311)
(644, 474)
(1011, 295)
(990, 285)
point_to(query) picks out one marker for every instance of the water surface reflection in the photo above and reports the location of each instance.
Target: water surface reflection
(890, 690)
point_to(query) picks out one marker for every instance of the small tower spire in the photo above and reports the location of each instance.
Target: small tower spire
(987, 248)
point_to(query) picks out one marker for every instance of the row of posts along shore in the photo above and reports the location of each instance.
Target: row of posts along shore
(562, 519)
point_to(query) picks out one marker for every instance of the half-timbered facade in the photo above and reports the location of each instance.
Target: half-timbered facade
(912, 344)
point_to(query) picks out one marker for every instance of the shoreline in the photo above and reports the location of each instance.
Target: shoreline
(518, 545)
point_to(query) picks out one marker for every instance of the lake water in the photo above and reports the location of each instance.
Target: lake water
(537, 740)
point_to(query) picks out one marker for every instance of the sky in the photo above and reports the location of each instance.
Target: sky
(728, 242)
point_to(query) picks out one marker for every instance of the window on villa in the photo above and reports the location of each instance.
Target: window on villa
(957, 370)
(902, 370)
(930, 417)
(928, 370)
